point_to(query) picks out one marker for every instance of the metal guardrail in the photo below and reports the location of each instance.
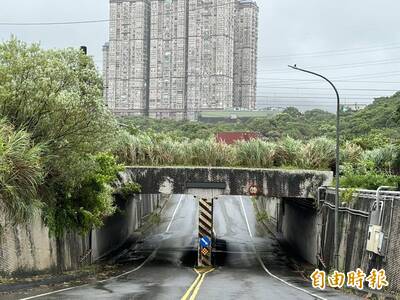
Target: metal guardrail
(371, 194)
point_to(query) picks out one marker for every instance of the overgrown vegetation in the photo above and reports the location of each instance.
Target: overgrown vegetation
(21, 173)
(90, 202)
(318, 153)
(262, 216)
(162, 150)
(55, 159)
(347, 195)
(128, 190)
(374, 168)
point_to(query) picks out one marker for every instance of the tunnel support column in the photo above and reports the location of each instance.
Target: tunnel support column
(205, 232)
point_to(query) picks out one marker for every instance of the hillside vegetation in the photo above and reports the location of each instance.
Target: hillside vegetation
(377, 123)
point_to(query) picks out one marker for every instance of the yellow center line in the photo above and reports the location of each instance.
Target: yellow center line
(195, 287)
(189, 291)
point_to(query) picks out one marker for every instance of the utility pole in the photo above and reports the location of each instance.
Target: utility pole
(337, 196)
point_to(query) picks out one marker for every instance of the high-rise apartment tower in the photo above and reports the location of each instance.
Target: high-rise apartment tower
(175, 58)
(245, 57)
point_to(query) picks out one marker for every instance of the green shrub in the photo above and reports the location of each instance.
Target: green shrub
(262, 216)
(350, 153)
(369, 181)
(348, 195)
(289, 152)
(208, 153)
(128, 190)
(255, 154)
(57, 97)
(381, 159)
(87, 205)
(371, 141)
(21, 174)
(319, 153)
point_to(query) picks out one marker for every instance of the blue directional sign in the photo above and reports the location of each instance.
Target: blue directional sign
(205, 242)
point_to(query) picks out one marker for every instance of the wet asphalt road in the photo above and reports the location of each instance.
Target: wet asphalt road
(246, 258)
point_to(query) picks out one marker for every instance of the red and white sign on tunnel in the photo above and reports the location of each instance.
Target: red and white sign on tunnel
(253, 190)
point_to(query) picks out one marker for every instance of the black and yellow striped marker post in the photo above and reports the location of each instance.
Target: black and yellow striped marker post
(205, 232)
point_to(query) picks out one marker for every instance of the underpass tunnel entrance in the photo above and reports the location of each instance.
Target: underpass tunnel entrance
(293, 220)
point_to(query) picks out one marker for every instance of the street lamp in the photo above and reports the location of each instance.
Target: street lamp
(337, 196)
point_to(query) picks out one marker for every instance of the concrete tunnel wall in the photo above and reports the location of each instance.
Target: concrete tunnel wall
(300, 230)
(121, 226)
(294, 222)
(29, 249)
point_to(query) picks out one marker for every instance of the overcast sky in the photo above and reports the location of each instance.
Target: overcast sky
(353, 42)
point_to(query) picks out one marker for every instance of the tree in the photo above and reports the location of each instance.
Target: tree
(56, 96)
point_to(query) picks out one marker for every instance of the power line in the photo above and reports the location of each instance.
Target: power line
(337, 67)
(371, 75)
(310, 98)
(282, 102)
(303, 81)
(53, 23)
(327, 89)
(319, 104)
(205, 6)
(339, 80)
(332, 52)
(317, 94)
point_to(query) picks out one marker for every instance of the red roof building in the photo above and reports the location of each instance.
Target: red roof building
(233, 137)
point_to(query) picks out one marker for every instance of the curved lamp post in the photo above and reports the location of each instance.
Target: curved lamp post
(337, 196)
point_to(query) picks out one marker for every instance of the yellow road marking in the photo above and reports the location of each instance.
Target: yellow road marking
(196, 285)
(189, 291)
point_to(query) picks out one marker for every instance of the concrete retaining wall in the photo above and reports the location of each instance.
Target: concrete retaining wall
(119, 227)
(29, 249)
(273, 208)
(293, 222)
